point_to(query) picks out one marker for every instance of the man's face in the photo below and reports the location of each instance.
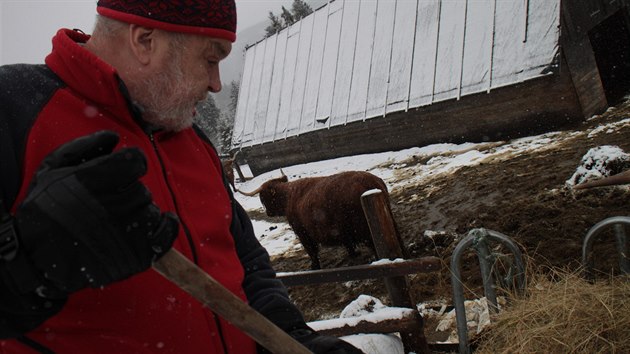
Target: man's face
(189, 69)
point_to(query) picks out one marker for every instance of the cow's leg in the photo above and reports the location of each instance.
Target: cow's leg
(350, 246)
(312, 249)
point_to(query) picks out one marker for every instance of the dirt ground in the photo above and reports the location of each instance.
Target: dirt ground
(523, 197)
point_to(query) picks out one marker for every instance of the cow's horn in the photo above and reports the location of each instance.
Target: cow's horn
(252, 193)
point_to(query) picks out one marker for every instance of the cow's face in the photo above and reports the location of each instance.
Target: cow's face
(273, 196)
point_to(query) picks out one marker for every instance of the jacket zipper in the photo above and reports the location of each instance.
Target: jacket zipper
(191, 244)
(187, 232)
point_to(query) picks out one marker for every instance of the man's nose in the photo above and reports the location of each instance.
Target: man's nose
(214, 84)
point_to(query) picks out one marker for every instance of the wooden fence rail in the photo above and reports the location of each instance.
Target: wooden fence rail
(388, 246)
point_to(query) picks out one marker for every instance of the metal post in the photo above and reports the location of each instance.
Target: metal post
(476, 237)
(587, 245)
(486, 260)
(622, 248)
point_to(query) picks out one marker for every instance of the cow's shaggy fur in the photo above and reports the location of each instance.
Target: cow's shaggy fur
(323, 210)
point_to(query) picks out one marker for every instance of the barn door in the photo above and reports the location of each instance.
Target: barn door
(611, 44)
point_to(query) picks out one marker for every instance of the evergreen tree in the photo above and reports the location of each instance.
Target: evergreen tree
(287, 17)
(209, 119)
(234, 90)
(226, 133)
(300, 9)
(275, 26)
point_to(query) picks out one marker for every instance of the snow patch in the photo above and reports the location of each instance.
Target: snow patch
(598, 162)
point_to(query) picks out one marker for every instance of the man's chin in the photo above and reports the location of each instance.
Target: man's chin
(172, 124)
(181, 124)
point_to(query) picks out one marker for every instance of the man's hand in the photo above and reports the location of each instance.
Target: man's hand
(87, 220)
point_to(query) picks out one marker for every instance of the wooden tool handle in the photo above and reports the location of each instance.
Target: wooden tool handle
(180, 270)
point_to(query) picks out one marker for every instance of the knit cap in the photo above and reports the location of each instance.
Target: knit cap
(214, 18)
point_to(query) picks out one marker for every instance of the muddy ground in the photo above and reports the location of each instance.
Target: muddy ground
(523, 197)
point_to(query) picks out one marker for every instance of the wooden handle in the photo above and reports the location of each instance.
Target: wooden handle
(180, 270)
(620, 178)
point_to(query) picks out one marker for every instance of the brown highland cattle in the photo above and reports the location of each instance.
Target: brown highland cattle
(322, 210)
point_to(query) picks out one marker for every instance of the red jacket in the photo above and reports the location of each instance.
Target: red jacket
(145, 313)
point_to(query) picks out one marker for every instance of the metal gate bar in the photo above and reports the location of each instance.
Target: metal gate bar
(618, 223)
(478, 239)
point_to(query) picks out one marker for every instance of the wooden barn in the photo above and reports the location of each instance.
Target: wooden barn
(366, 76)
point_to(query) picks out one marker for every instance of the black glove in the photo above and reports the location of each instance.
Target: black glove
(87, 220)
(320, 344)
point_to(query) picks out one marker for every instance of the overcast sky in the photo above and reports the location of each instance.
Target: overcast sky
(26, 26)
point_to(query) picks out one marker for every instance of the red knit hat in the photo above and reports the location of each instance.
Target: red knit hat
(214, 18)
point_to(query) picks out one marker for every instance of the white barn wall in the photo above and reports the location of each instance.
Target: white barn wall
(329, 65)
(313, 79)
(243, 99)
(288, 79)
(477, 47)
(381, 55)
(425, 53)
(345, 62)
(448, 65)
(264, 91)
(275, 90)
(301, 70)
(361, 59)
(402, 56)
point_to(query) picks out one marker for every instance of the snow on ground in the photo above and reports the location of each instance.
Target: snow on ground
(278, 238)
(598, 162)
(441, 158)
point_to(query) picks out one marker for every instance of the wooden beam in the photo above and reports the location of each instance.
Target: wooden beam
(366, 324)
(360, 272)
(389, 245)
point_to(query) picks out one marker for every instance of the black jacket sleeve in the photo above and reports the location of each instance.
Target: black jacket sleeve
(24, 90)
(265, 292)
(21, 313)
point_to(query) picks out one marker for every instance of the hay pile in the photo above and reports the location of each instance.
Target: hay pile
(563, 313)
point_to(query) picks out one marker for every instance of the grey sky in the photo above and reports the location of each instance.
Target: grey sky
(26, 26)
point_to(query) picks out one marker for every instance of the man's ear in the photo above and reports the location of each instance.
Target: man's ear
(143, 42)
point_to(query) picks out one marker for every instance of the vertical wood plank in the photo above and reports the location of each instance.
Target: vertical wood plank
(387, 243)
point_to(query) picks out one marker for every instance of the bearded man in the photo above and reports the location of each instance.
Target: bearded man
(103, 171)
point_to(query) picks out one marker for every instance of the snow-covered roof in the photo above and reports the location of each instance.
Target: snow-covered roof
(354, 60)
